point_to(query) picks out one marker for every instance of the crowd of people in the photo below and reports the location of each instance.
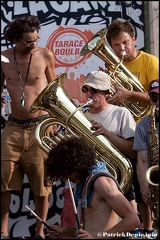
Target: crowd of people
(97, 193)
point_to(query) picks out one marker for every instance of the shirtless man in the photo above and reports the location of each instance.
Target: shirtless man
(26, 73)
(75, 159)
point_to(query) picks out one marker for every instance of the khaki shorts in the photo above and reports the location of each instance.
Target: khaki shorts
(21, 154)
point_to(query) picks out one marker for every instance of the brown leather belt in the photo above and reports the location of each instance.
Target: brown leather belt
(28, 122)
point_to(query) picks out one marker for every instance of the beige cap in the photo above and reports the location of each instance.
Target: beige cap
(98, 80)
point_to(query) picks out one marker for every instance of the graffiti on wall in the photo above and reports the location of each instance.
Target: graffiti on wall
(21, 222)
(65, 27)
(62, 13)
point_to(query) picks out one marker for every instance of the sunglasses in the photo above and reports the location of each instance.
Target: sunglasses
(29, 43)
(154, 99)
(91, 90)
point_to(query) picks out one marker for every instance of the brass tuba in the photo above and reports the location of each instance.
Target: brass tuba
(119, 74)
(57, 102)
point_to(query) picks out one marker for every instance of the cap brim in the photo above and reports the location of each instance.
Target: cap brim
(156, 90)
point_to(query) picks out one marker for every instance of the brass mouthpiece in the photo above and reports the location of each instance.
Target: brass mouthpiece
(88, 102)
(123, 53)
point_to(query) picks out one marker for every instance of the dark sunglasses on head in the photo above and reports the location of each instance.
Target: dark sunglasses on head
(154, 99)
(92, 90)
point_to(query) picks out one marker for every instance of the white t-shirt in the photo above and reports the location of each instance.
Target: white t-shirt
(116, 119)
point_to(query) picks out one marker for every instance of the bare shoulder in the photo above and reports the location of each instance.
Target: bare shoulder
(47, 53)
(6, 58)
(7, 52)
(104, 181)
(106, 187)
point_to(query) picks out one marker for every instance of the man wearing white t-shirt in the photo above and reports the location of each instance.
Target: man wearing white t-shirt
(114, 122)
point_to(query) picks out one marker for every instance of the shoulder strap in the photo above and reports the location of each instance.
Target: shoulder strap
(92, 179)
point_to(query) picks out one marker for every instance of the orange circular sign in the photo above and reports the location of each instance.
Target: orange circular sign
(66, 43)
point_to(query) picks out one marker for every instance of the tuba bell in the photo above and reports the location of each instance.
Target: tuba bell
(118, 73)
(65, 113)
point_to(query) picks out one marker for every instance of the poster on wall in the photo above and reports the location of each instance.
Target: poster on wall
(66, 26)
(66, 43)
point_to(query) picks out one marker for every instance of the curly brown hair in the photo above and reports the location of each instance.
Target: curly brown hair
(118, 26)
(18, 26)
(70, 155)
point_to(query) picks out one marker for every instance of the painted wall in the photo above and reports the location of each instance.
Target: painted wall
(72, 22)
(154, 27)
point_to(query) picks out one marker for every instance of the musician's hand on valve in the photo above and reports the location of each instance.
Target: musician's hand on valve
(120, 96)
(156, 156)
(51, 130)
(98, 129)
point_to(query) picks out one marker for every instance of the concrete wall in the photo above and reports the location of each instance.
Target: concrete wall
(154, 27)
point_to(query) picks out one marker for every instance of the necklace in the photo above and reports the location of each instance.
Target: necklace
(23, 98)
